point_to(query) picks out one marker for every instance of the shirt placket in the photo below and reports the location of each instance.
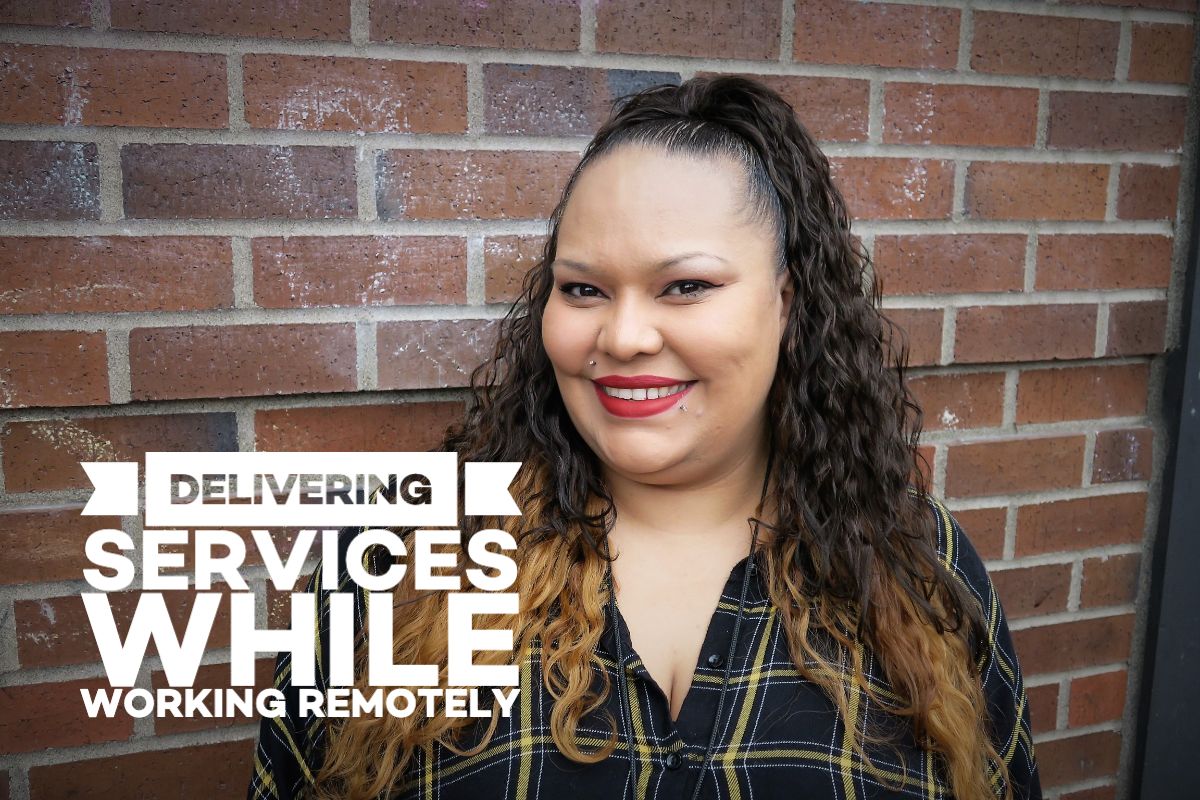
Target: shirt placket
(671, 752)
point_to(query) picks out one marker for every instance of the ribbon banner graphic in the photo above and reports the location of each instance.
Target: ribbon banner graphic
(207, 489)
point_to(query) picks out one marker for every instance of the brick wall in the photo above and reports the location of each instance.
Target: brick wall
(290, 225)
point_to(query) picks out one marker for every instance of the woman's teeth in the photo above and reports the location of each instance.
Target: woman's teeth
(652, 393)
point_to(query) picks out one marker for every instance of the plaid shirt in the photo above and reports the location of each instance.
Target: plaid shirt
(779, 735)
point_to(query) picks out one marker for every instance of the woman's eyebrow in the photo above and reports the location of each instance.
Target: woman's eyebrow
(658, 266)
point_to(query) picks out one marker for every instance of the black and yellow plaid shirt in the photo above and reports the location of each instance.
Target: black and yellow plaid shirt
(779, 735)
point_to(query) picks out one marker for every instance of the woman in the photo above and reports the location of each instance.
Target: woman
(711, 417)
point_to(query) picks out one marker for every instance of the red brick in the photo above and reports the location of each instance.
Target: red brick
(923, 328)
(922, 471)
(960, 400)
(748, 29)
(327, 20)
(1091, 756)
(51, 13)
(506, 259)
(546, 100)
(1030, 591)
(44, 455)
(1006, 190)
(830, 109)
(65, 274)
(885, 35)
(987, 116)
(1123, 455)
(79, 376)
(1147, 191)
(1098, 698)
(1043, 707)
(435, 354)
(1115, 121)
(1081, 523)
(43, 715)
(1013, 466)
(1103, 261)
(56, 632)
(335, 93)
(49, 180)
(1025, 333)
(514, 24)
(1095, 391)
(985, 528)
(238, 181)
(1036, 44)
(46, 544)
(198, 770)
(48, 85)
(1137, 328)
(294, 271)
(1160, 52)
(895, 188)
(402, 426)
(1075, 644)
(481, 184)
(215, 677)
(1168, 5)
(172, 363)
(943, 263)
(1109, 581)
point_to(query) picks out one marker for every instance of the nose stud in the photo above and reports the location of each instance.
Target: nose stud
(591, 363)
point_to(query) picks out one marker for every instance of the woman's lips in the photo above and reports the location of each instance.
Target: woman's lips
(621, 407)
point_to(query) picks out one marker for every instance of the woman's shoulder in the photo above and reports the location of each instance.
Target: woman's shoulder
(957, 551)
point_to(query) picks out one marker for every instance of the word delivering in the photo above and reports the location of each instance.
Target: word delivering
(311, 488)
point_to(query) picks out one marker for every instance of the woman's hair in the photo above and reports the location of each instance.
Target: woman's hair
(852, 562)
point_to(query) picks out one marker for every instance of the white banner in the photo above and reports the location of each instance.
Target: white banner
(306, 489)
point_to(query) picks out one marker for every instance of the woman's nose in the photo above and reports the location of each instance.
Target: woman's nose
(629, 329)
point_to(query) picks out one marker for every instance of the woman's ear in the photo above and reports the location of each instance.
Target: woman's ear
(786, 292)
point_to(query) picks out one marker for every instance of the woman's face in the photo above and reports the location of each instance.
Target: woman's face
(660, 278)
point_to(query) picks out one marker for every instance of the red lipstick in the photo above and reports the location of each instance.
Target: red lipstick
(622, 407)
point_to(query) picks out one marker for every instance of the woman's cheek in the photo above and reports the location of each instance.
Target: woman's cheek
(568, 334)
(555, 337)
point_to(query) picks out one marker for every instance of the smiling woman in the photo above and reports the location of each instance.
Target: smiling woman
(694, 286)
(733, 580)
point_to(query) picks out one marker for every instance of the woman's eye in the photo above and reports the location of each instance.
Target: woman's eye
(569, 289)
(689, 288)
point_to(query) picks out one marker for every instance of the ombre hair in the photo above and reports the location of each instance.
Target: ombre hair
(852, 562)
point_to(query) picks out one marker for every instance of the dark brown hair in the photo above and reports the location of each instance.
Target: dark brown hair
(852, 560)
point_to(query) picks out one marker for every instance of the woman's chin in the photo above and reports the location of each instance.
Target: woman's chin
(643, 463)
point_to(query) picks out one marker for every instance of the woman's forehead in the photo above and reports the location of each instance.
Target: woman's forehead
(656, 204)
(635, 179)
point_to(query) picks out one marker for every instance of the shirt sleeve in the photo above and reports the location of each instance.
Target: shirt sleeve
(290, 747)
(1000, 672)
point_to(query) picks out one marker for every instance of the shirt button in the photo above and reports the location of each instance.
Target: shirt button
(716, 660)
(674, 760)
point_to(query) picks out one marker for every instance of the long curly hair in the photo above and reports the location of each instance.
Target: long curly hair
(852, 563)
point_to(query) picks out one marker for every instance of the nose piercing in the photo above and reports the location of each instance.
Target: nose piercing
(591, 363)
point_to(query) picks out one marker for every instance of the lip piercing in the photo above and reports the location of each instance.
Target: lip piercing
(682, 407)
